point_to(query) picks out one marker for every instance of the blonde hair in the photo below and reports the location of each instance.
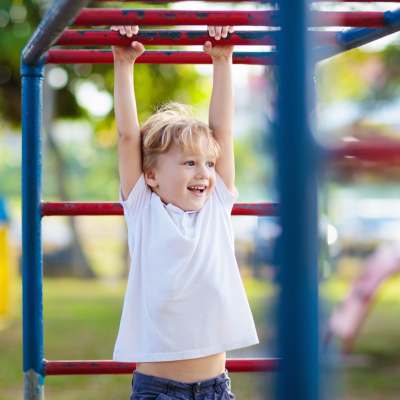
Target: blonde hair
(174, 123)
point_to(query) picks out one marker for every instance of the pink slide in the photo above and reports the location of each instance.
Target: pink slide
(347, 319)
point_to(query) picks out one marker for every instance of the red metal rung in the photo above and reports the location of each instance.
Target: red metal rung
(108, 16)
(97, 367)
(153, 57)
(380, 151)
(74, 37)
(105, 208)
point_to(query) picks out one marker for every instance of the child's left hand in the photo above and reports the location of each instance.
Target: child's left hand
(218, 51)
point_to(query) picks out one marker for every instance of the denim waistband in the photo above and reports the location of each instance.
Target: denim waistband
(164, 385)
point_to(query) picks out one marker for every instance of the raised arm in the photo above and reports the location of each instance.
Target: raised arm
(222, 104)
(129, 151)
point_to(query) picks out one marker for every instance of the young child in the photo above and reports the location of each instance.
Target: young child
(185, 304)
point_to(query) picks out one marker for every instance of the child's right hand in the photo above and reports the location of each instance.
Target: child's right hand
(124, 53)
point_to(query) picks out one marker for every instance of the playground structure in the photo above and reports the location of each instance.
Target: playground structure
(298, 158)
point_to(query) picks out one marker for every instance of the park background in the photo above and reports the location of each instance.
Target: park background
(85, 258)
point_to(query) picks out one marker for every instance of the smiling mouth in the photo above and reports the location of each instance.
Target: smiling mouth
(197, 190)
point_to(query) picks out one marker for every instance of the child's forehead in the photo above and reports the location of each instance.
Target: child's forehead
(198, 151)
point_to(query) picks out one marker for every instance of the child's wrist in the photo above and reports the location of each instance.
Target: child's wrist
(222, 59)
(124, 63)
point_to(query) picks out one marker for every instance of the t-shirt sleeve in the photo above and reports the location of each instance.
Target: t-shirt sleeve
(224, 195)
(138, 197)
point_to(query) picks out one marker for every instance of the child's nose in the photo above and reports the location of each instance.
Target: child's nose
(203, 171)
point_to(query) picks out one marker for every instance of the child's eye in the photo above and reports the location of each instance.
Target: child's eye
(190, 163)
(211, 164)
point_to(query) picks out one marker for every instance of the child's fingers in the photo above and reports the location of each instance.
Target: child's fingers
(129, 31)
(211, 31)
(116, 28)
(231, 29)
(207, 47)
(138, 47)
(218, 31)
(225, 30)
(135, 29)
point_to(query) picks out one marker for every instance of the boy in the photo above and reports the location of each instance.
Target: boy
(185, 303)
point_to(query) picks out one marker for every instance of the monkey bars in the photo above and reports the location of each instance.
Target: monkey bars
(296, 159)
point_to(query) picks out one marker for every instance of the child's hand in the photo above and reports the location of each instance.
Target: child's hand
(127, 54)
(219, 52)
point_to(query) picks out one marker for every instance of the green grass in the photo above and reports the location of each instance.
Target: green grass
(81, 321)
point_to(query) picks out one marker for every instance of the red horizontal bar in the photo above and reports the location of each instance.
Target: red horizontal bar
(154, 57)
(106, 37)
(380, 151)
(96, 367)
(249, 1)
(108, 16)
(177, 1)
(171, 37)
(104, 208)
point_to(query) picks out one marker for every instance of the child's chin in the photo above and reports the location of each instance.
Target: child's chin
(196, 205)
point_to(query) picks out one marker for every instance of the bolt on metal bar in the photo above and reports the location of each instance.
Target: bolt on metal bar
(59, 15)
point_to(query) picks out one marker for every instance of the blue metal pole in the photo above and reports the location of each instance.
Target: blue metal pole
(57, 18)
(32, 78)
(356, 37)
(298, 342)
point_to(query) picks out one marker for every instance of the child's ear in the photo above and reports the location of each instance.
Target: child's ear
(150, 178)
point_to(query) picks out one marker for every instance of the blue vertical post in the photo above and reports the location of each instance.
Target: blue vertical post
(298, 376)
(32, 78)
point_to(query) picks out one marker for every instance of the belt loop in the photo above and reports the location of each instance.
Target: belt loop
(196, 387)
(169, 390)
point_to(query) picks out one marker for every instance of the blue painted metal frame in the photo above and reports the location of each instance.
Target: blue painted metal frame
(296, 165)
(352, 38)
(296, 151)
(57, 17)
(32, 79)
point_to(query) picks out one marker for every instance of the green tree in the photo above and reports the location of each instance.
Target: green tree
(155, 84)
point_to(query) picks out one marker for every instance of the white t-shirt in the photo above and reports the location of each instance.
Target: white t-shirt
(185, 297)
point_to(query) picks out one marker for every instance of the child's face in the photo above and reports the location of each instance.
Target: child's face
(176, 172)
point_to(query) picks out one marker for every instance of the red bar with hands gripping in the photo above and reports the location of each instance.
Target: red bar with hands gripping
(165, 37)
(172, 37)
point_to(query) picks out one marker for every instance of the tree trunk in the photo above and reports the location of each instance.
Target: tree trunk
(78, 264)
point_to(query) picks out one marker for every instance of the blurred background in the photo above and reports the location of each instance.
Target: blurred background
(86, 258)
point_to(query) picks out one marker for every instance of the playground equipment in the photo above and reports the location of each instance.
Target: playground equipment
(5, 273)
(297, 161)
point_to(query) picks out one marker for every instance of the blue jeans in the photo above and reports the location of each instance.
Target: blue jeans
(148, 387)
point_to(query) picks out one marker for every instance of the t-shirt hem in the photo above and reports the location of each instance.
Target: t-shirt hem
(183, 355)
